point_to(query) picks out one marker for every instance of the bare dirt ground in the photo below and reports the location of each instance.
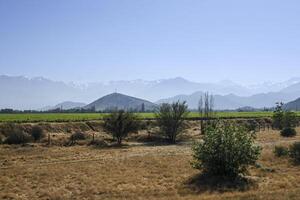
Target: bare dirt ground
(136, 171)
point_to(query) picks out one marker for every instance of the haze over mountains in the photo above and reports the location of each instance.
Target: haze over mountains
(36, 93)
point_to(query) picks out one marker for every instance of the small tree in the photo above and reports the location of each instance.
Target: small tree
(278, 116)
(284, 119)
(289, 120)
(227, 150)
(170, 119)
(37, 133)
(120, 124)
(206, 110)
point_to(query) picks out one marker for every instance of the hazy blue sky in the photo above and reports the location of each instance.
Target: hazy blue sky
(201, 40)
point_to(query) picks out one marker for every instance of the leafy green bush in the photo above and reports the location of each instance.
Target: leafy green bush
(295, 152)
(227, 150)
(289, 119)
(284, 119)
(288, 132)
(37, 133)
(281, 151)
(17, 136)
(170, 119)
(120, 124)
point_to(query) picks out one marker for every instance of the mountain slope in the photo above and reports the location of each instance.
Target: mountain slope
(293, 105)
(120, 101)
(25, 93)
(232, 101)
(65, 106)
(34, 93)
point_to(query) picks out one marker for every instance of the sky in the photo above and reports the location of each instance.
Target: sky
(245, 41)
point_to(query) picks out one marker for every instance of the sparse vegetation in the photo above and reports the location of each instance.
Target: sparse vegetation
(144, 170)
(227, 150)
(37, 133)
(281, 151)
(120, 124)
(170, 119)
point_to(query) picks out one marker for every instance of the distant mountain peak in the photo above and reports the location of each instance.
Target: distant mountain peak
(120, 101)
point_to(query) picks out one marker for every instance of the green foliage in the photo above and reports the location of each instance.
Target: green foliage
(170, 119)
(278, 116)
(288, 132)
(67, 117)
(37, 133)
(17, 136)
(283, 119)
(120, 124)
(281, 151)
(295, 152)
(227, 150)
(289, 119)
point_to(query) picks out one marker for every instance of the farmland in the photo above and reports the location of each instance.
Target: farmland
(65, 117)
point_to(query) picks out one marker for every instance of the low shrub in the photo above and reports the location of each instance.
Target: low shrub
(78, 136)
(281, 151)
(295, 152)
(17, 136)
(99, 143)
(227, 150)
(1, 139)
(288, 132)
(37, 133)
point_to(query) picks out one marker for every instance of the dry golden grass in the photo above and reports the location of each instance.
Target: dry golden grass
(135, 172)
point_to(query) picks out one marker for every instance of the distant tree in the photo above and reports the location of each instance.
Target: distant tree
(120, 124)
(170, 119)
(206, 110)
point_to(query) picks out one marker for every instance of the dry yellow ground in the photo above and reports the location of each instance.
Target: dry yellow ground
(134, 172)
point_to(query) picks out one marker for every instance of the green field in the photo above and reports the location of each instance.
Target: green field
(64, 117)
